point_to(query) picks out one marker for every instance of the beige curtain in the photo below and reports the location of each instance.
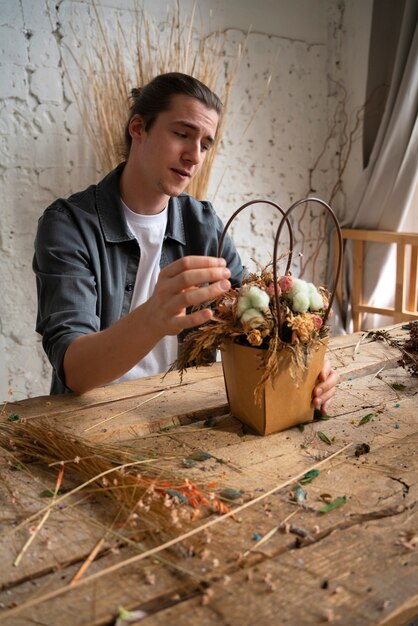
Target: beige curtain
(385, 194)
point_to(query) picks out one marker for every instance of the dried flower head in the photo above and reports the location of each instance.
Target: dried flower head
(254, 338)
(302, 327)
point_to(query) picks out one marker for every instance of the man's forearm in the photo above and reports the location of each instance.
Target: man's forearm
(100, 358)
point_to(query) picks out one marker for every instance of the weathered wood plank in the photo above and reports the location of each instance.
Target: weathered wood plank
(265, 461)
(359, 537)
(335, 576)
(348, 541)
(319, 584)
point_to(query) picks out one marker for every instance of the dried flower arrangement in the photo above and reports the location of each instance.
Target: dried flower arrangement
(248, 316)
(269, 312)
(281, 316)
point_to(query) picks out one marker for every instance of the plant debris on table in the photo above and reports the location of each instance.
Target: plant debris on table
(334, 504)
(154, 502)
(409, 359)
(408, 347)
(365, 419)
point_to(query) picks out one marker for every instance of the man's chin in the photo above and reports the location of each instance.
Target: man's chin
(173, 190)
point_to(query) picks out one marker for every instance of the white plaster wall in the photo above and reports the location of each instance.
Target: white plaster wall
(44, 152)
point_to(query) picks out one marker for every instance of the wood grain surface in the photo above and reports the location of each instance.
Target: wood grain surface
(278, 561)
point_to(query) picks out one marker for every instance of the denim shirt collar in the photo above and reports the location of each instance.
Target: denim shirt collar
(112, 218)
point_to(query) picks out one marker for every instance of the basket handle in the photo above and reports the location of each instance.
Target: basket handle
(276, 243)
(284, 218)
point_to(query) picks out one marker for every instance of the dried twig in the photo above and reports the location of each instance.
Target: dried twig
(123, 412)
(44, 518)
(80, 573)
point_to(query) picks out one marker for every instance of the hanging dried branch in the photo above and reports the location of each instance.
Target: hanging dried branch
(345, 130)
(347, 134)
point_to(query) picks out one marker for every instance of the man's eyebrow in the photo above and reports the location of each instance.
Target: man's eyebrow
(192, 126)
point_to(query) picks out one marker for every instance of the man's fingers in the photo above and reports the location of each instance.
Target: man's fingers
(193, 319)
(326, 370)
(322, 402)
(193, 297)
(325, 384)
(196, 277)
(188, 263)
(325, 388)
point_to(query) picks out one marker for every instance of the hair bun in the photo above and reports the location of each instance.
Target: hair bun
(136, 92)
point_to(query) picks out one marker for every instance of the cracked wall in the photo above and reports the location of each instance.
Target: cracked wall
(272, 138)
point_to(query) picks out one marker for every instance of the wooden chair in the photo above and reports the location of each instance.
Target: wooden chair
(406, 283)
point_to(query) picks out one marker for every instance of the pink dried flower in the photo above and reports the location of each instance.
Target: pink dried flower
(317, 321)
(270, 290)
(286, 283)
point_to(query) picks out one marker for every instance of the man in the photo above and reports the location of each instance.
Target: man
(119, 264)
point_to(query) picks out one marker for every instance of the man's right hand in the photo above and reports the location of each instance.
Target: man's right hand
(188, 282)
(102, 357)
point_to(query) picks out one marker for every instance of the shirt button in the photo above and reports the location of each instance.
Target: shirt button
(129, 287)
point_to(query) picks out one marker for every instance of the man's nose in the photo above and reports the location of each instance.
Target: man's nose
(193, 154)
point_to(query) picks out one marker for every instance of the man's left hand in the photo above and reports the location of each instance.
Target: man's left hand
(325, 387)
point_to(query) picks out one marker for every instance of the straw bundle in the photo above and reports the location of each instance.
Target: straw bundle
(112, 68)
(153, 504)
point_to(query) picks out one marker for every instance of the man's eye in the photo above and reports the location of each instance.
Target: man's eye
(179, 134)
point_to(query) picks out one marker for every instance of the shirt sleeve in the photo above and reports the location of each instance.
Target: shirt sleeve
(66, 285)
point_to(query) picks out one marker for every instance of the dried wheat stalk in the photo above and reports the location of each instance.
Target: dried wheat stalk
(111, 68)
(154, 503)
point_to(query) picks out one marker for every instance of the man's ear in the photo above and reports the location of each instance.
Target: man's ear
(137, 128)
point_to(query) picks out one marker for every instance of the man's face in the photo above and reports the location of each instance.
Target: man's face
(172, 151)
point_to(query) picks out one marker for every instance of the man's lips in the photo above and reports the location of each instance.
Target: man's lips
(180, 172)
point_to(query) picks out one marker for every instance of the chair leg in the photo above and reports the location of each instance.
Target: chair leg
(357, 294)
(413, 281)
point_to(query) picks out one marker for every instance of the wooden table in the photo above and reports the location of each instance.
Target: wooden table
(355, 565)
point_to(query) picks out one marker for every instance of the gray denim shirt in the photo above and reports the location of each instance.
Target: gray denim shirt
(86, 260)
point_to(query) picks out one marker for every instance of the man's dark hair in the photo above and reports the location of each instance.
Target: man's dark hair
(156, 96)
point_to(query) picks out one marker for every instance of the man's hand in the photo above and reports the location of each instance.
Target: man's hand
(189, 281)
(99, 358)
(325, 387)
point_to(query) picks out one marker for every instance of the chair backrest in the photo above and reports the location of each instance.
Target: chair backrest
(406, 283)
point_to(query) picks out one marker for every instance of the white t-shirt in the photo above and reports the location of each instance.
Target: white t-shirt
(149, 231)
